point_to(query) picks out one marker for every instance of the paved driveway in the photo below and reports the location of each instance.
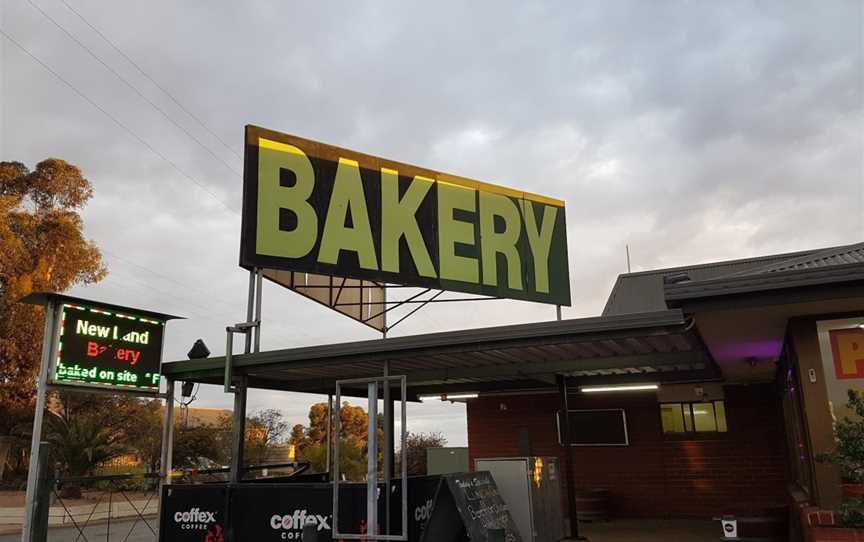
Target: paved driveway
(652, 530)
(97, 533)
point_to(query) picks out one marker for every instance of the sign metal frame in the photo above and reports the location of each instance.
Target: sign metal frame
(372, 473)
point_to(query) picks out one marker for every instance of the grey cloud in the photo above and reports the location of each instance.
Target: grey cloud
(692, 131)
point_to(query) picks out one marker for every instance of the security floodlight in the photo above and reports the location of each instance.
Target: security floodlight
(199, 350)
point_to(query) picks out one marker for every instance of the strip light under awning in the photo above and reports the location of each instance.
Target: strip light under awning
(447, 396)
(623, 387)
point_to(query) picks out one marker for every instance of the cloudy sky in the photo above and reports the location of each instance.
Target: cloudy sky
(692, 131)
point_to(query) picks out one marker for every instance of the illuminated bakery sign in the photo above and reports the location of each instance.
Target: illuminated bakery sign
(105, 348)
(314, 208)
(841, 344)
(847, 347)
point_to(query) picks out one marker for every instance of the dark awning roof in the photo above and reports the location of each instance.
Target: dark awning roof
(657, 346)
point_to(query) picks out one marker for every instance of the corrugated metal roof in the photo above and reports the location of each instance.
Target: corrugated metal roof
(524, 355)
(643, 291)
(843, 255)
(828, 267)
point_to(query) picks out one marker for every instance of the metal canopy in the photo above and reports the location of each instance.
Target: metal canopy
(658, 346)
(42, 298)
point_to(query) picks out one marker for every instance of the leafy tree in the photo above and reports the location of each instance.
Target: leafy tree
(79, 445)
(298, 438)
(352, 462)
(199, 447)
(310, 442)
(416, 445)
(264, 430)
(140, 428)
(43, 249)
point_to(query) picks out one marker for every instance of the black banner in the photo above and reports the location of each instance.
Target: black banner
(276, 512)
(194, 513)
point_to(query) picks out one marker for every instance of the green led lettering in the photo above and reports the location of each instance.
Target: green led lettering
(348, 196)
(399, 219)
(452, 231)
(493, 243)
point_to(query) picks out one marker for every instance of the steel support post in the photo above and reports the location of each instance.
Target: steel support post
(259, 287)
(167, 457)
(568, 459)
(389, 447)
(238, 430)
(372, 463)
(43, 497)
(329, 431)
(250, 307)
(49, 336)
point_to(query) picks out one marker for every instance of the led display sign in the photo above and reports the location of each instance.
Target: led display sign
(106, 348)
(315, 208)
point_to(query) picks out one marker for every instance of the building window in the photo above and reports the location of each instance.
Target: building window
(705, 417)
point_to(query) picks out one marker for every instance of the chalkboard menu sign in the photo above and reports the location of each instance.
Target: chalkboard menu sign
(466, 507)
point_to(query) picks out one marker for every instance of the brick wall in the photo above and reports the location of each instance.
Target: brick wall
(738, 472)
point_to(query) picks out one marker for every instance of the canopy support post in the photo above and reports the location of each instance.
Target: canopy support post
(372, 464)
(568, 459)
(329, 431)
(389, 445)
(238, 430)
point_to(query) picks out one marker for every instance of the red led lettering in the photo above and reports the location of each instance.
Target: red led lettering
(93, 349)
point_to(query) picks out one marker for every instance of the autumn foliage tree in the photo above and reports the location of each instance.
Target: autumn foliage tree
(310, 442)
(43, 248)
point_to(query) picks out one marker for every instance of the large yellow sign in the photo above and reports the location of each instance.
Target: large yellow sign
(320, 209)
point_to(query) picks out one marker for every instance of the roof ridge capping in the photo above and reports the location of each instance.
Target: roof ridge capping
(827, 257)
(715, 263)
(644, 290)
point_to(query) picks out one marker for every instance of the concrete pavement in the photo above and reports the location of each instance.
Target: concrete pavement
(119, 529)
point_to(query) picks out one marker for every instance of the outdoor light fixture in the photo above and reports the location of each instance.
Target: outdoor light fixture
(199, 350)
(625, 387)
(451, 396)
(186, 389)
(446, 397)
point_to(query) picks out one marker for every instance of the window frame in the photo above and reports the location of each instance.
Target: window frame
(692, 433)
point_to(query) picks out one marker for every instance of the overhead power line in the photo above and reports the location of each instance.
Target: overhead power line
(131, 86)
(116, 121)
(185, 286)
(153, 81)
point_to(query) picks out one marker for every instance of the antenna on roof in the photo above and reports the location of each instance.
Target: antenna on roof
(628, 257)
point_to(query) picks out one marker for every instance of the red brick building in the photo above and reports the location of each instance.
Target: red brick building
(763, 324)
